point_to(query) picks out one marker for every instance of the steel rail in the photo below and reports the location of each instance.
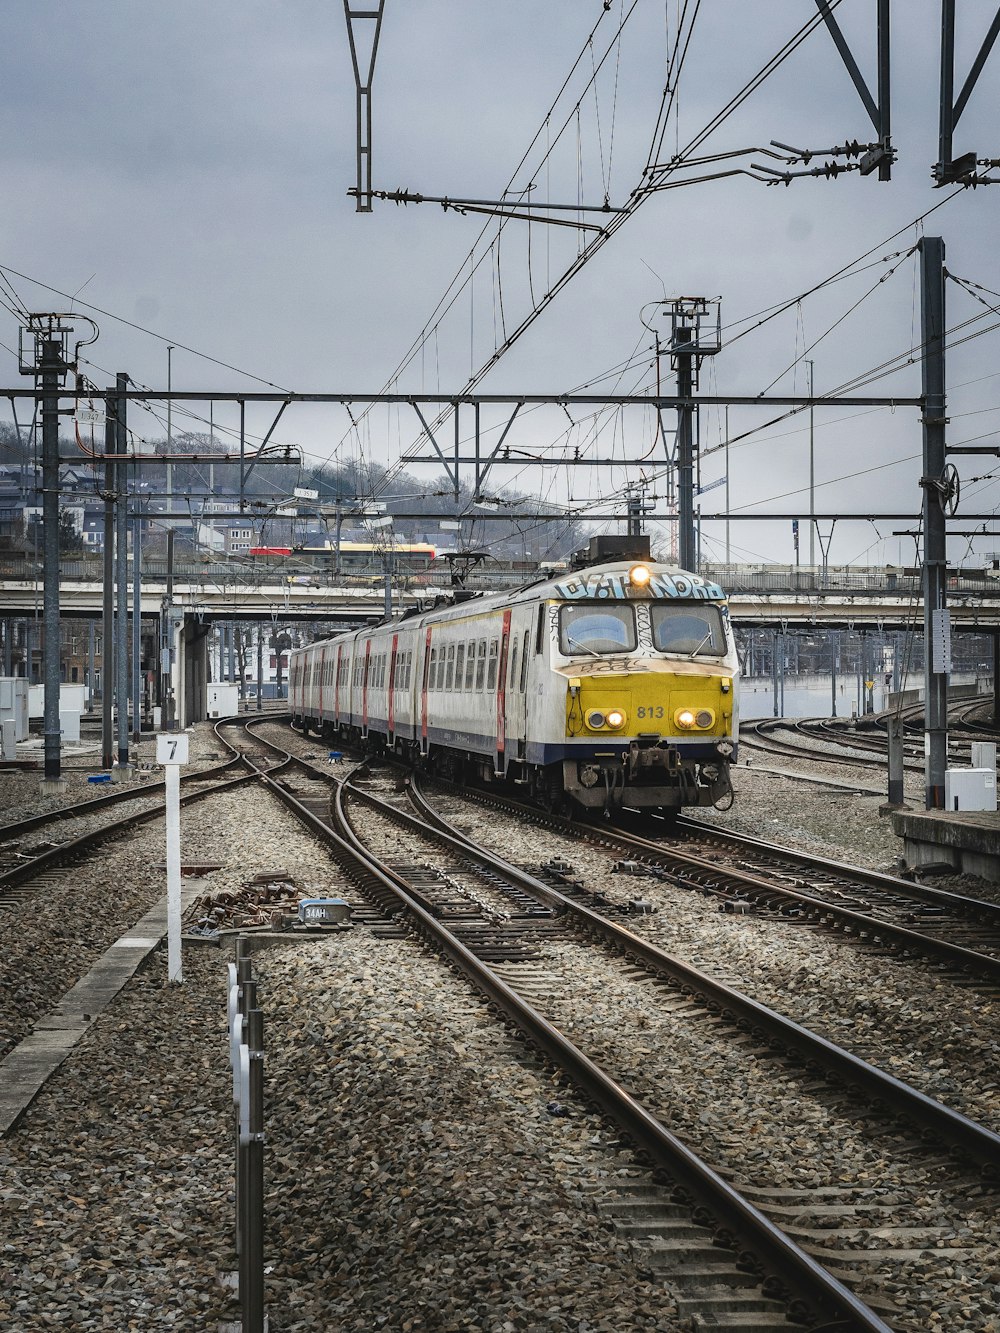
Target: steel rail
(53, 818)
(692, 870)
(926, 893)
(757, 1233)
(981, 1143)
(85, 842)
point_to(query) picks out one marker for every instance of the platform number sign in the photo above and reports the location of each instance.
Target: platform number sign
(172, 747)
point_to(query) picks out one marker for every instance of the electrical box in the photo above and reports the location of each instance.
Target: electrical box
(72, 698)
(223, 699)
(984, 754)
(14, 704)
(970, 789)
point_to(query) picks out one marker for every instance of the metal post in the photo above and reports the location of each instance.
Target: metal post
(252, 1256)
(685, 452)
(172, 775)
(727, 490)
(937, 665)
(260, 668)
(136, 621)
(166, 641)
(896, 732)
(170, 437)
(946, 123)
(774, 670)
(121, 580)
(90, 666)
(834, 645)
(51, 364)
(8, 656)
(812, 477)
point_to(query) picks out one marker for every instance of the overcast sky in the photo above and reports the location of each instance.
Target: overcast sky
(185, 167)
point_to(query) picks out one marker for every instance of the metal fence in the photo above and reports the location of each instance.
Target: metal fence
(246, 1054)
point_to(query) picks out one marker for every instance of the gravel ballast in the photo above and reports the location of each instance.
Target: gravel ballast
(422, 1173)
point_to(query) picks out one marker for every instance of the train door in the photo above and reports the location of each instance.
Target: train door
(391, 697)
(501, 684)
(517, 680)
(336, 685)
(364, 688)
(322, 682)
(425, 674)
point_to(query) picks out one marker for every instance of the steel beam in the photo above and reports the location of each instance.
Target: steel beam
(936, 630)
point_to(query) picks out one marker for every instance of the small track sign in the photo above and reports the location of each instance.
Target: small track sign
(172, 747)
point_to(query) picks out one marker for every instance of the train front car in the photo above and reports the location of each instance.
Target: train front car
(645, 665)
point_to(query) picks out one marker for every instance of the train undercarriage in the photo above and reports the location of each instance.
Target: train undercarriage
(654, 779)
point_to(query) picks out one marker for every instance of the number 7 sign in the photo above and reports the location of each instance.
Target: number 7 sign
(172, 747)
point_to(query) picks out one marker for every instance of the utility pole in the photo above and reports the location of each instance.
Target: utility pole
(687, 348)
(684, 359)
(728, 551)
(937, 492)
(167, 702)
(137, 617)
(812, 477)
(52, 365)
(121, 580)
(170, 437)
(108, 600)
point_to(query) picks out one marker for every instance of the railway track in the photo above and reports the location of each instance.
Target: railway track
(864, 737)
(508, 932)
(27, 864)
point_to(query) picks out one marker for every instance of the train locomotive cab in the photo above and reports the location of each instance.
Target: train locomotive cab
(644, 662)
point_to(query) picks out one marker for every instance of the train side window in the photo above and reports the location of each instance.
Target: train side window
(540, 628)
(491, 678)
(470, 667)
(480, 664)
(512, 672)
(459, 666)
(524, 663)
(449, 671)
(432, 682)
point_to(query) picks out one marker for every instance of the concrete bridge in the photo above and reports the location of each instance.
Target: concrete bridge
(771, 596)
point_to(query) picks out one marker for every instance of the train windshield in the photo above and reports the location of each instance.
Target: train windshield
(596, 629)
(688, 629)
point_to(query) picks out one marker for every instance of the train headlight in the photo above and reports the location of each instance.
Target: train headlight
(612, 720)
(694, 719)
(639, 576)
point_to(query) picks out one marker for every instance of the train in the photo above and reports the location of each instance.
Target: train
(608, 686)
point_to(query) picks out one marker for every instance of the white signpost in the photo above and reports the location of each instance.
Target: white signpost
(171, 752)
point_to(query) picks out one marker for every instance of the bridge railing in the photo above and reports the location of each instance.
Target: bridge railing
(735, 579)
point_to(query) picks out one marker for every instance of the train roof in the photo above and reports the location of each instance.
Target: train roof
(607, 582)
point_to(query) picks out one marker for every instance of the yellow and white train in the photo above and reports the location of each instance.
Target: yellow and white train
(611, 686)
